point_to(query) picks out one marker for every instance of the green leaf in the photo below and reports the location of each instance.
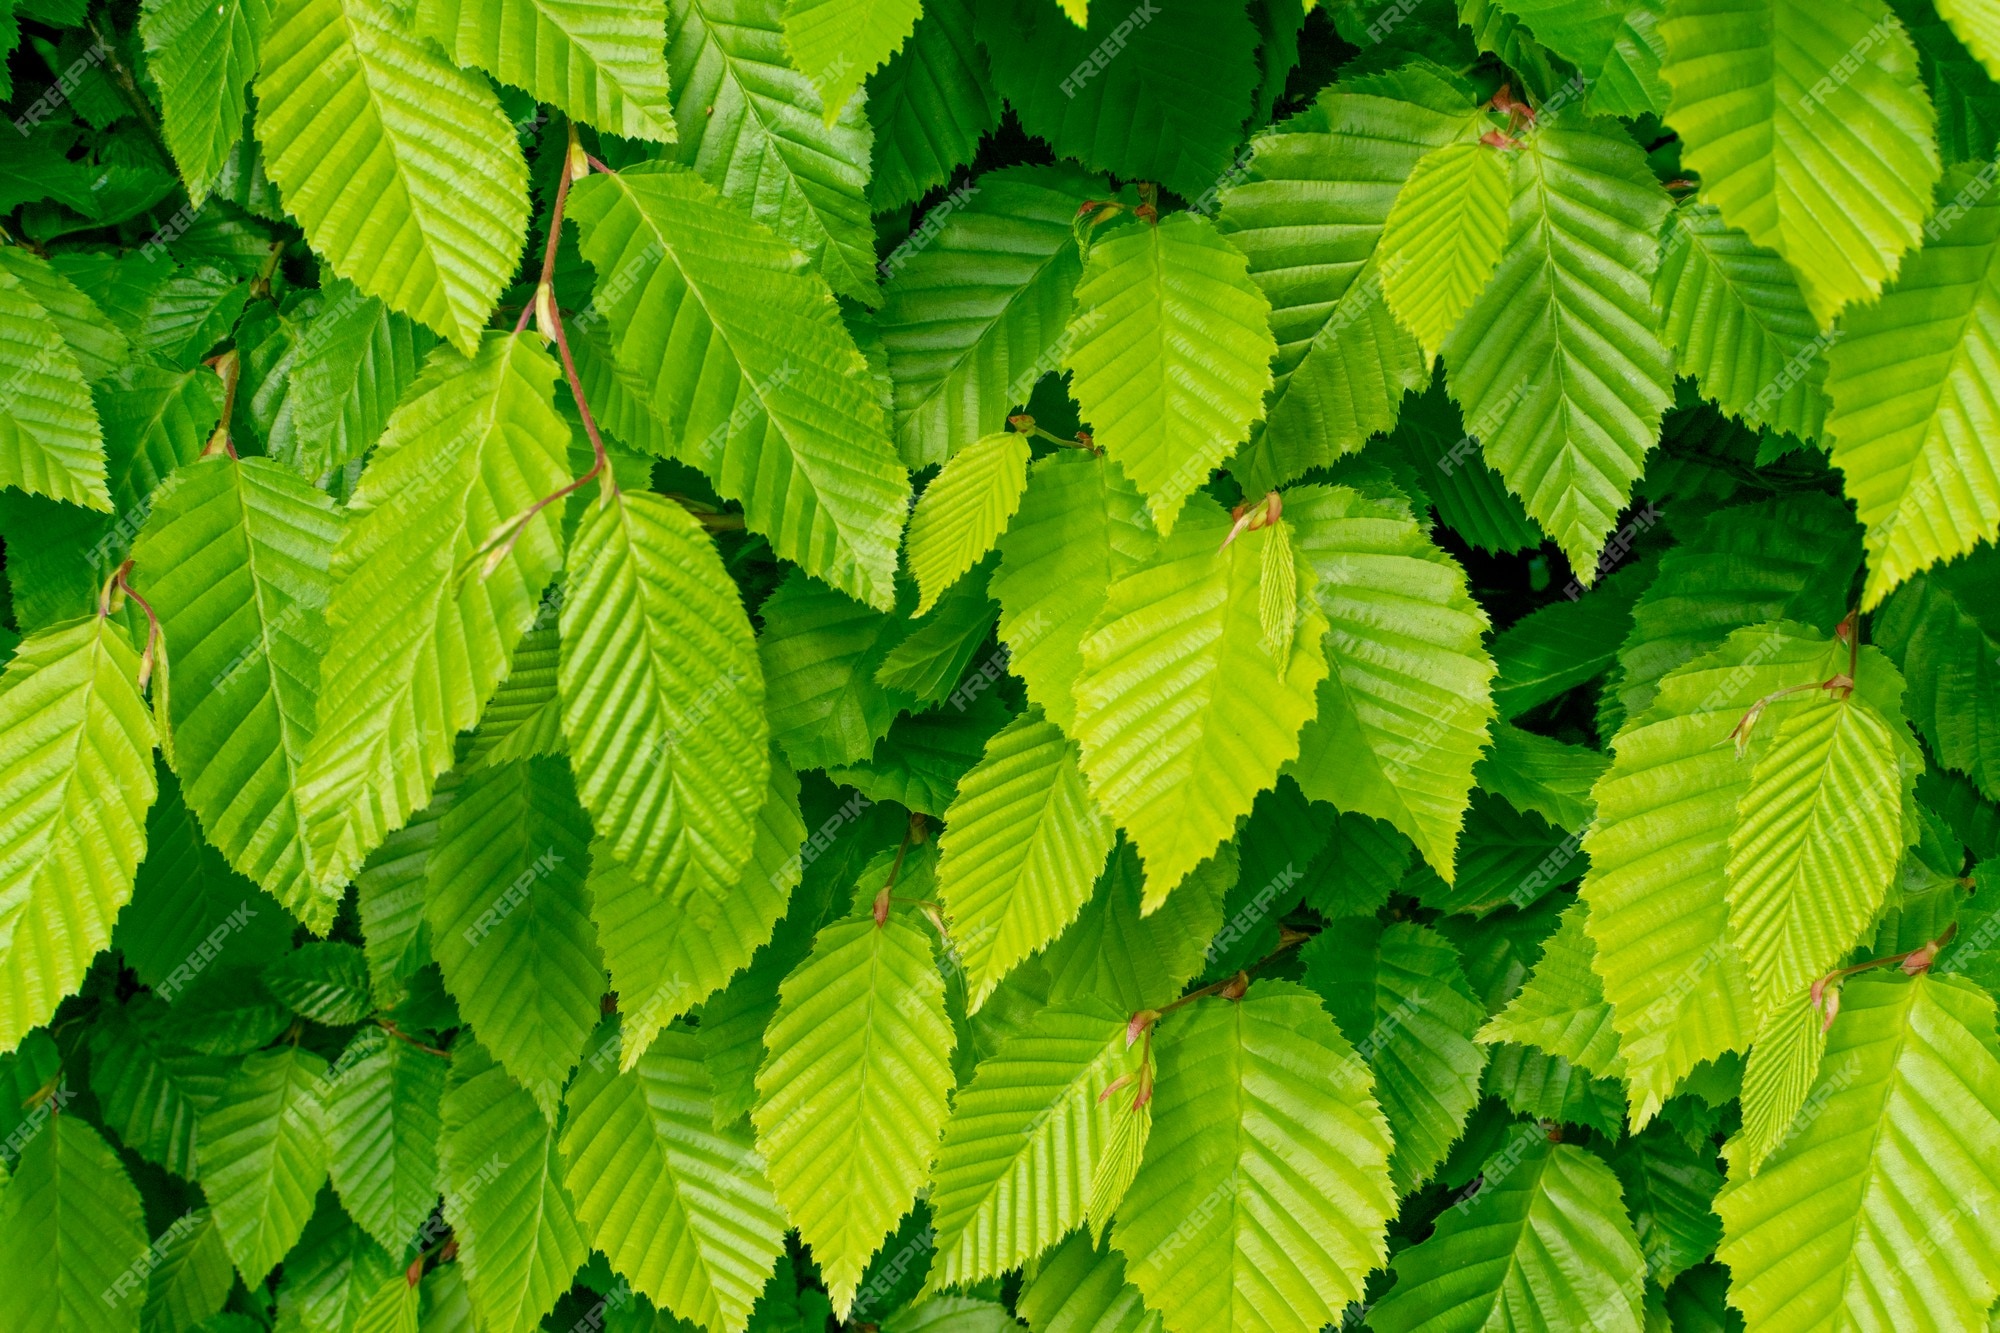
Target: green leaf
(1180, 635)
(752, 126)
(1669, 1189)
(1616, 50)
(1739, 325)
(1081, 1286)
(150, 1089)
(1081, 527)
(963, 511)
(351, 360)
(775, 409)
(1810, 131)
(1552, 650)
(194, 1276)
(1909, 386)
(1545, 1240)
(1562, 1009)
(332, 1273)
(662, 696)
(598, 63)
(97, 344)
(76, 767)
(976, 316)
(1308, 214)
(264, 1155)
(680, 1208)
(665, 958)
(352, 106)
(1401, 716)
(820, 653)
(852, 1093)
(504, 1195)
(383, 1125)
(930, 105)
(1164, 99)
(1548, 777)
(322, 980)
(1791, 557)
(1443, 237)
(928, 665)
(509, 921)
(1820, 830)
(1783, 1064)
(1026, 1140)
(1399, 994)
(202, 56)
(1170, 354)
(1137, 961)
(235, 559)
(183, 891)
(1265, 1187)
(1659, 854)
(1976, 26)
(1022, 845)
(70, 1226)
(524, 717)
(1558, 366)
(1940, 630)
(1904, 1146)
(420, 640)
(839, 43)
(50, 440)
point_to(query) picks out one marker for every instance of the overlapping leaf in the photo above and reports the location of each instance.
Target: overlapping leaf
(352, 106)
(774, 407)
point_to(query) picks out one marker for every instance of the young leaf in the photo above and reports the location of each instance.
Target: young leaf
(1558, 366)
(383, 1124)
(508, 920)
(1026, 1139)
(600, 63)
(963, 512)
(70, 1229)
(1659, 853)
(1081, 528)
(420, 636)
(505, 1196)
(1400, 717)
(852, 1093)
(774, 408)
(1924, 1089)
(1022, 845)
(1170, 354)
(235, 559)
(76, 742)
(50, 440)
(1562, 1009)
(1308, 214)
(662, 696)
(1180, 635)
(1819, 831)
(352, 106)
(678, 1206)
(1265, 1188)
(752, 125)
(264, 1155)
(1443, 237)
(1545, 1233)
